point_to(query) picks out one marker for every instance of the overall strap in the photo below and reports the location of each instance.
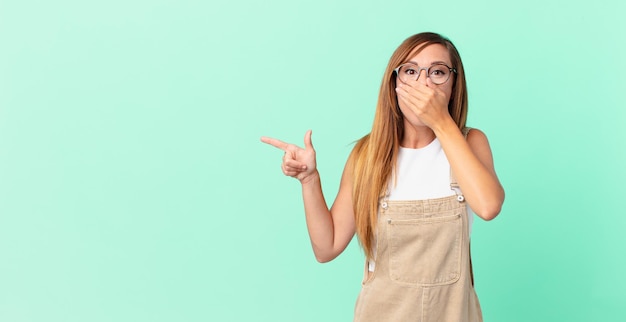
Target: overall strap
(459, 196)
(453, 184)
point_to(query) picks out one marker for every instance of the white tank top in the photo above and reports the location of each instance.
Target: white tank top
(423, 173)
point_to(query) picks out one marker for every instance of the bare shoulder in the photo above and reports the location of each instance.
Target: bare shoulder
(477, 139)
(478, 142)
(475, 134)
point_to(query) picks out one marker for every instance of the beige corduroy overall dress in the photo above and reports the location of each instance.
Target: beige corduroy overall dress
(423, 270)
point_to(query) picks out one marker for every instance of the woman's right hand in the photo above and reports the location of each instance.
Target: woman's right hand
(297, 162)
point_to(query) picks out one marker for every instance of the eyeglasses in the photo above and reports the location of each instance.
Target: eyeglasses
(438, 73)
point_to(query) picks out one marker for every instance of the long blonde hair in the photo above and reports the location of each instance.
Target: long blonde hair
(374, 156)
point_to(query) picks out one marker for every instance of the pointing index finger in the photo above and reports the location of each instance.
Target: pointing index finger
(275, 143)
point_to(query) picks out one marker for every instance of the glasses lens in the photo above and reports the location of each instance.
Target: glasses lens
(408, 73)
(439, 74)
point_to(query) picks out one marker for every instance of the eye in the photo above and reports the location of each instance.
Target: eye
(438, 70)
(409, 70)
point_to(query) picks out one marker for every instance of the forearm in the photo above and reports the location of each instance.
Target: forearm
(318, 219)
(476, 178)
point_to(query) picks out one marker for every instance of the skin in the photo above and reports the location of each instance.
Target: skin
(424, 107)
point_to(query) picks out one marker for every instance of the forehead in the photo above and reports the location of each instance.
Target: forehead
(425, 56)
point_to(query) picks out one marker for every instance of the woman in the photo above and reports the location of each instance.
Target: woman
(409, 191)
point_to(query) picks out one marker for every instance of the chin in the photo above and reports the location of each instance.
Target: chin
(414, 122)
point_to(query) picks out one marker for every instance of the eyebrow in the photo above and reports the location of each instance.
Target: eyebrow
(433, 63)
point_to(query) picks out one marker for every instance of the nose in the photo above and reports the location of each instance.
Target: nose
(423, 78)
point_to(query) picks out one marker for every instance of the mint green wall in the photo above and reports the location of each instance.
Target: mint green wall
(133, 186)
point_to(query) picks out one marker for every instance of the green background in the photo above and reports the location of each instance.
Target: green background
(134, 187)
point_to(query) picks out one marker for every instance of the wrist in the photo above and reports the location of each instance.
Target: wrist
(311, 179)
(444, 127)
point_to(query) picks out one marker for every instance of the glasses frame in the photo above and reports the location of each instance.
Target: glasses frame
(427, 69)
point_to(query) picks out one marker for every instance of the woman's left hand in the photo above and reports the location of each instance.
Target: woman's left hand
(429, 104)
